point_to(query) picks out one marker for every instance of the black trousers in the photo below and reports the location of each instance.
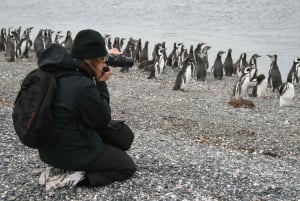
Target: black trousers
(113, 164)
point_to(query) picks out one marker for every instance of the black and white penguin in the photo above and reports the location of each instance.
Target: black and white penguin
(38, 43)
(205, 52)
(144, 52)
(128, 52)
(58, 38)
(184, 75)
(138, 50)
(107, 40)
(10, 49)
(25, 43)
(116, 43)
(181, 56)
(253, 62)
(240, 64)
(159, 63)
(287, 94)
(172, 59)
(2, 39)
(68, 42)
(200, 67)
(122, 43)
(274, 79)
(240, 90)
(260, 89)
(198, 49)
(294, 73)
(217, 67)
(48, 38)
(228, 63)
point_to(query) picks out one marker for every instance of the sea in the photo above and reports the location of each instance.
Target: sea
(265, 27)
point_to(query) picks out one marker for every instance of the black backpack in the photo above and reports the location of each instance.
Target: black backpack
(32, 111)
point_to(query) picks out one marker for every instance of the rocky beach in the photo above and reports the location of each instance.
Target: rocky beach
(189, 145)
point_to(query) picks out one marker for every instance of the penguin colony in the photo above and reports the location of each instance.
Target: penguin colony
(189, 62)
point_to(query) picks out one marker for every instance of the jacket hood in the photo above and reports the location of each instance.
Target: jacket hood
(55, 58)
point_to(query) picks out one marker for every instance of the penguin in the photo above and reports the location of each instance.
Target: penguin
(217, 67)
(240, 64)
(10, 49)
(260, 89)
(116, 43)
(228, 63)
(107, 41)
(294, 73)
(204, 50)
(128, 52)
(163, 45)
(25, 43)
(68, 42)
(198, 50)
(253, 62)
(2, 39)
(184, 75)
(287, 94)
(58, 37)
(200, 67)
(173, 56)
(122, 44)
(181, 56)
(138, 50)
(274, 79)
(38, 43)
(48, 39)
(144, 52)
(160, 63)
(240, 90)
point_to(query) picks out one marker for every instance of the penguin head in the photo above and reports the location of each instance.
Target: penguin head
(243, 55)
(273, 57)
(220, 53)
(255, 56)
(297, 60)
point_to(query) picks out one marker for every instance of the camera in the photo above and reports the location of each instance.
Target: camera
(119, 61)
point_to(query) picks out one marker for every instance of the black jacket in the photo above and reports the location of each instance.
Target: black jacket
(80, 106)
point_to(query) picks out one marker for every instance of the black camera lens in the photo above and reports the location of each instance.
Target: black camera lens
(119, 61)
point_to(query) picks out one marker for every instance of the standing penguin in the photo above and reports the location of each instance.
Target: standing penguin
(184, 75)
(200, 67)
(173, 56)
(10, 49)
(68, 42)
(138, 50)
(240, 64)
(217, 67)
(294, 73)
(205, 52)
(228, 63)
(25, 43)
(274, 79)
(260, 89)
(2, 39)
(253, 62)
(240, 90)
(287, 94)
(144, 52)
(159, 63)
(38, 43)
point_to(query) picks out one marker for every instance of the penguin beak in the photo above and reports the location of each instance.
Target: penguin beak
(269, 55)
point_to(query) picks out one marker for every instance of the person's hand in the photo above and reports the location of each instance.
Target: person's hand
(105, 75)
(114, 51)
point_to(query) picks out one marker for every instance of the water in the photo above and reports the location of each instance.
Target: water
(256, 26)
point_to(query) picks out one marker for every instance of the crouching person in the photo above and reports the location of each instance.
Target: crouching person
(90, 150)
